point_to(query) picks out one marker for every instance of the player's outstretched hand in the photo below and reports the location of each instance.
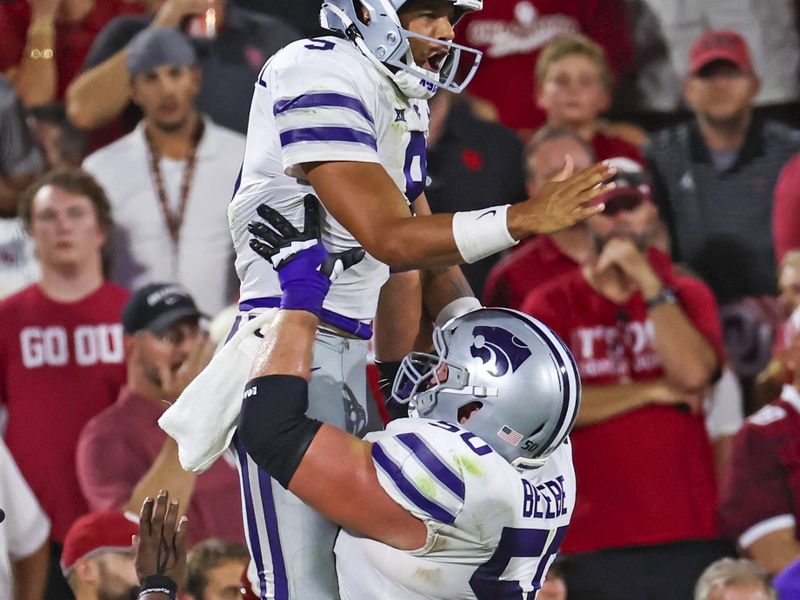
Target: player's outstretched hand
(563, 201)
(161, 544)
(280, 242)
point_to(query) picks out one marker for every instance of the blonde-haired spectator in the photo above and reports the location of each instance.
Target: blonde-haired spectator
(574, 86)
(734, 579)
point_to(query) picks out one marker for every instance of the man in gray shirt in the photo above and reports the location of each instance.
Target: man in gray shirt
(714, 175)
(713, 181)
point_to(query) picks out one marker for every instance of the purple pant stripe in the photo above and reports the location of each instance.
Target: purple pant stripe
(271, 519)
(252, 526)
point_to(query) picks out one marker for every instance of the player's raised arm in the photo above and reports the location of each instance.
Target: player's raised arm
(365, 200)
(329, 469)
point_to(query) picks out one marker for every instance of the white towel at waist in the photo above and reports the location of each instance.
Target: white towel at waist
(204, 417)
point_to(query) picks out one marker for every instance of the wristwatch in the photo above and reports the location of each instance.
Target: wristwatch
(665, 296)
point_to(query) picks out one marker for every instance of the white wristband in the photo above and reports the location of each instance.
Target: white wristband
(456, 308)
(481, 233)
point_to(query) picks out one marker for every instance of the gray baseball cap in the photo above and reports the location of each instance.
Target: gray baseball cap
(158, 46)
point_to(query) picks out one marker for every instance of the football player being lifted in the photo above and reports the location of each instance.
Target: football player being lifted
(344, 118)
(468, 501)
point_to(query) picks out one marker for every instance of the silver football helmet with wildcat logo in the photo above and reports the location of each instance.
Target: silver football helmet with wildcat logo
(502, 375)
(384, 41)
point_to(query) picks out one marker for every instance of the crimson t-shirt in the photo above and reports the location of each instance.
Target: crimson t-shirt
(645, 476)
(73, 40)
(761, 485)
(60, 365)
(511, 35)
(534, 263)
(119, 446)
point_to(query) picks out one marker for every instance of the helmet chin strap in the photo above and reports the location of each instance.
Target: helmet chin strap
(410, 85)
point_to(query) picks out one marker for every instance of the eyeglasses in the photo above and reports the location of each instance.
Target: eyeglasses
(625, 203)
(177, 334)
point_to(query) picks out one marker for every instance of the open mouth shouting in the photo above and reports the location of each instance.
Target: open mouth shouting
(435, 60)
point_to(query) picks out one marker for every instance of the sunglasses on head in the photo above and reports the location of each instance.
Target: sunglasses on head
(624, 203)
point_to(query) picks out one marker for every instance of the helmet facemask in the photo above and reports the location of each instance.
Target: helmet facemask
(423, 378)
(384, 41)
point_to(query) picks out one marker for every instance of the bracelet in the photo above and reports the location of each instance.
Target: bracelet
(481, 233)
(158, 584)
(41, 53)
(665, 296)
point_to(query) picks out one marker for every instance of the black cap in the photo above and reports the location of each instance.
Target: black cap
(156, 307)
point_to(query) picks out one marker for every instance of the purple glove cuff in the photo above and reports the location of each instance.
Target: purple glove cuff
(303, 286)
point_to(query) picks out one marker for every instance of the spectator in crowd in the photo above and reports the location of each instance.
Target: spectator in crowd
(734, 579)
(24, 533)
(98, 557)
(20, 163)
(665, 29)
(170, 180)
(574, 87)
(472, 164)
(62, 143)
(45, 42)
(546, 256)
(713, 180)
(61, 353)
(123, 456)
(214, 570)
(511, 35)
(647, 344)
(230, 58)
(714, 175)
(770, 381)
(786, 213)
(761, 490)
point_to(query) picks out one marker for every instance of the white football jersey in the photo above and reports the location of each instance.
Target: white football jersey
(493, 530)
(320, 99)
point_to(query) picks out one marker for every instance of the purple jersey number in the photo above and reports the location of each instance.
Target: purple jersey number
(515, 543)
(415, 167)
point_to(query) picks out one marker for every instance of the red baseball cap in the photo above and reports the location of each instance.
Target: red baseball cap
(95, 533)
(719, 44)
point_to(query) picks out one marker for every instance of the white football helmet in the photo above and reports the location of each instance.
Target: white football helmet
(385, 43)
(501, 374)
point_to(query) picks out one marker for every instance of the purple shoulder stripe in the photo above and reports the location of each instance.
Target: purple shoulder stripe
(408, 489)
(323, 100)
(433, 464)
(328, 134)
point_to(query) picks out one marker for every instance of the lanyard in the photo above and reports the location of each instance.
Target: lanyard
(174, 220)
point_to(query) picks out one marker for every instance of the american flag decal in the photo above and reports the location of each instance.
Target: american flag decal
(509, 435)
